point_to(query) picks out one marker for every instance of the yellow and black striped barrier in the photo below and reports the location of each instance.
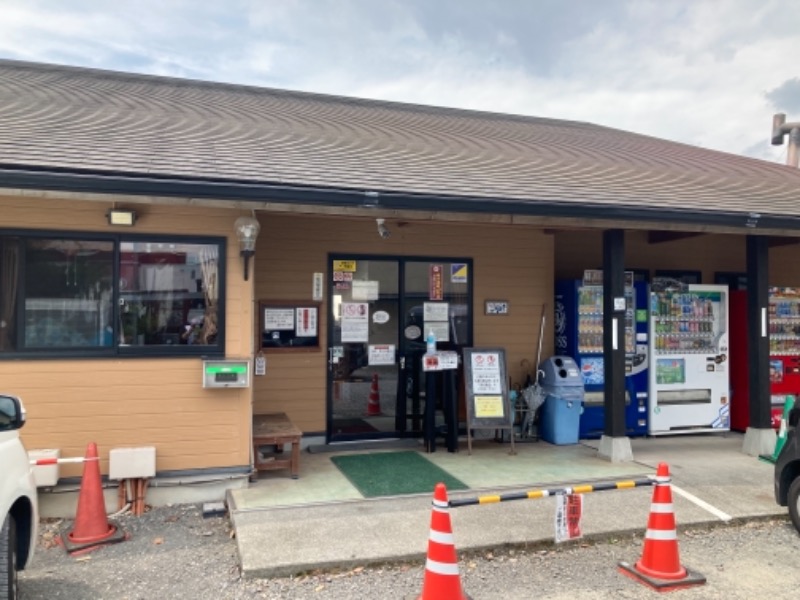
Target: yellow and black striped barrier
(602, 486)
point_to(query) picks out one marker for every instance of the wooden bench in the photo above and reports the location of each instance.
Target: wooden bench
(276, 430)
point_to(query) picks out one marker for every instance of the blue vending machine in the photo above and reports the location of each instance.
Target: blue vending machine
(579, 334)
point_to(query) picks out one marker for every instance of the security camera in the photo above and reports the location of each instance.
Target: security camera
(382, 230)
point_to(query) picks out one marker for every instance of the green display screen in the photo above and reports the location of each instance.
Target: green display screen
(234, 369)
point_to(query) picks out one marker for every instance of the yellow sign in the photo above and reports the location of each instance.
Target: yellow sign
(344, 265)
(488, 406)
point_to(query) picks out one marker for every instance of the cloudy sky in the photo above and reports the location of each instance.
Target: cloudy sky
(705, 72)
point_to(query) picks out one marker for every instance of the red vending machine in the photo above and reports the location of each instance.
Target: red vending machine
(784, 353)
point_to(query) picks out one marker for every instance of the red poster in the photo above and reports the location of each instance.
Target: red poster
(435, 288)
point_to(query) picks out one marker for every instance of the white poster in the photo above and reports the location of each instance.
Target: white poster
(261, 364)
(281, 319)
(486, 373)
(381, 354)
(317, 289)
(365, 290)
(355, 322)
(435, 311)
(440, 329)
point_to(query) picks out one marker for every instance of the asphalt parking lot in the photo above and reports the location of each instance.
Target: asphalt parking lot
(174, 552)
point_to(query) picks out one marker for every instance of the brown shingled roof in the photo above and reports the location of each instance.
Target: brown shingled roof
(75, 119)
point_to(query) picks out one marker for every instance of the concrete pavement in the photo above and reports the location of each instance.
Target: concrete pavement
(284, 529)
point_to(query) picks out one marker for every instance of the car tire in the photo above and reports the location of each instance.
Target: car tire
(793, 500)
(8, 559)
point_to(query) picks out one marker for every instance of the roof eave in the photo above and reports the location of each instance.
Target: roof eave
(256, 191)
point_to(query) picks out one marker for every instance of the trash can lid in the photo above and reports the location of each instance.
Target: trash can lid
(560, 370)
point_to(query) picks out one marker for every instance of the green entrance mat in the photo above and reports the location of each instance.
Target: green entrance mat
(394, 473)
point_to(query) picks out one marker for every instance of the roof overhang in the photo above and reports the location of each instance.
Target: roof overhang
(257, 192)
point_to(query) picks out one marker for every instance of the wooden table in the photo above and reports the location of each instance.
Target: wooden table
(276, 430)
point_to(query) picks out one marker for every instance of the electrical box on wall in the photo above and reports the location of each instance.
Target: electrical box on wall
(228, 373)
(132, 463)
(45, 475)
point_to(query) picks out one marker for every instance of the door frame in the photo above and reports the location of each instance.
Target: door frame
(401, 260)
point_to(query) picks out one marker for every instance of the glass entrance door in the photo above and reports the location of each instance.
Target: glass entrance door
(380, 312)
(363, 348)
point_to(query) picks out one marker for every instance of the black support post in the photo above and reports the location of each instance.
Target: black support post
(757, 330)
(614, 331)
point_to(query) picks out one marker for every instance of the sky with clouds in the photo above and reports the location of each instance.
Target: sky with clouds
(709, 73)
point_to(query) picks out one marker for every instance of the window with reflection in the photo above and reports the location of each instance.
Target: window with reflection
(67, 293)
(113, 295)
(168, 294)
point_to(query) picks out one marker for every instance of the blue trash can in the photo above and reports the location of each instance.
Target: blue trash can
(559, 418)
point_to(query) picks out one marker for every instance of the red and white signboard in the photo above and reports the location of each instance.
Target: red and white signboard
(436, 283)
(569, 511)
(306, 322)
(442, 360)
(381, 354)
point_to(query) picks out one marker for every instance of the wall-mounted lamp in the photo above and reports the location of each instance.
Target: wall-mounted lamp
(383, 231)
(247, 229)
(120, 216)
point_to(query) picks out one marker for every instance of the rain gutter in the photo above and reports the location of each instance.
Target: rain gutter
(259, 191)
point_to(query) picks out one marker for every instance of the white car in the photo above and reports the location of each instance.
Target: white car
(19, 512)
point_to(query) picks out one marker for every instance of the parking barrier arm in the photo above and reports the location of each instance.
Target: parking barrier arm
(42, 462)
(536, 494)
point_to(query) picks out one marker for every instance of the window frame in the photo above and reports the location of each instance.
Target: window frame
(116, 350)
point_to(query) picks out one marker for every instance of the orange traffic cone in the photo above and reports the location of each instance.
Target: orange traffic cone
(660, 565)
(374, 404)
(441, 568)
(91, 527)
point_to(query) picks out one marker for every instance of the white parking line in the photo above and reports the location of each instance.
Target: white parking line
(722, 516)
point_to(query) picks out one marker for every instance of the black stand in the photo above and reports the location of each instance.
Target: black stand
(444, 382)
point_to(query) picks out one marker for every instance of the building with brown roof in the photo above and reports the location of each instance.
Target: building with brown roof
(117, 331)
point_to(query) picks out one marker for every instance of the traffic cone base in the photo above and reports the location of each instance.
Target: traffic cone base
(660, 566)
(76, 547)
(690, 578)
(91, 527)
(77, 540)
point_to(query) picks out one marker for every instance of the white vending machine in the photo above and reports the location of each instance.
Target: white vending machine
(690, 368)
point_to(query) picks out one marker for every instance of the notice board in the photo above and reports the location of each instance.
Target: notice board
(288, 325)
(486, 386)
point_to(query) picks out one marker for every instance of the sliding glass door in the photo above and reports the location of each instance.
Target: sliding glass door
(380, 312)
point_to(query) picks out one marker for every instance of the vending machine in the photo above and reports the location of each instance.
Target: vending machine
(784, 354)
(690, 366)
(579, 334)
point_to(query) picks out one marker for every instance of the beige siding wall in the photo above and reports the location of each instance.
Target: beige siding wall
(579, 250)
(510, 263)
(160, 402)
(136, 401)
(784, 265)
